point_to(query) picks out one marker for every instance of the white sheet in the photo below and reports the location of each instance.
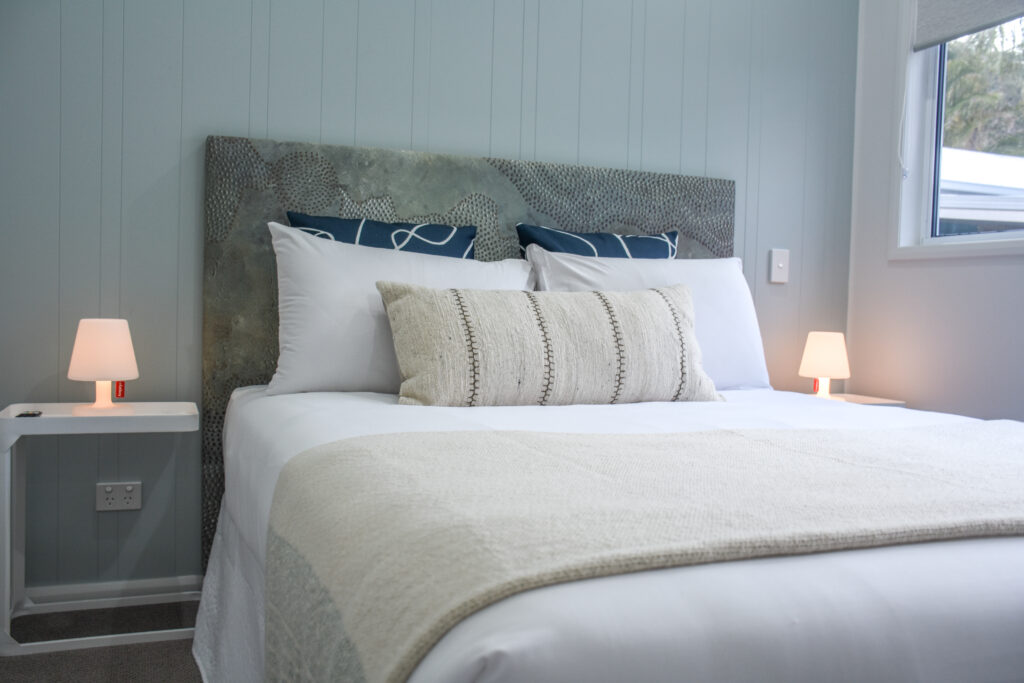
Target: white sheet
(929, 611)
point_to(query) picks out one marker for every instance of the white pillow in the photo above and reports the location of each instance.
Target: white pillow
(333, 330)
(724, 316)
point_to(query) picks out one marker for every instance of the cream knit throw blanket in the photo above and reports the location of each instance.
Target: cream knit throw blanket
(378, 545)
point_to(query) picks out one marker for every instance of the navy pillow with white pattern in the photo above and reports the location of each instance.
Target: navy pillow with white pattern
(605, 244)
(425, 238)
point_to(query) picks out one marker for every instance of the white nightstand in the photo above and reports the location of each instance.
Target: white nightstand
(869, 400)
(65, 418)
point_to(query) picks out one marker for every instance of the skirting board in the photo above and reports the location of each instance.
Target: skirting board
(68, 597)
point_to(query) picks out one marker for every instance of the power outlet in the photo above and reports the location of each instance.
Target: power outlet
(122, 495)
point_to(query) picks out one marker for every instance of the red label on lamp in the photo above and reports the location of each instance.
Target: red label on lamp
(119, 389)
(815, 386)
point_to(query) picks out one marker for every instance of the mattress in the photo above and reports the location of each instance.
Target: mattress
(931, 611)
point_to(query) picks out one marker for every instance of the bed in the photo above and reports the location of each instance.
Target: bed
(943, 606)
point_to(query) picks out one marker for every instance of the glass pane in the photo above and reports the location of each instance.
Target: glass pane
(981, 165)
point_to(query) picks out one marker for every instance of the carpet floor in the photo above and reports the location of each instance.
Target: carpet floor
(168, 661)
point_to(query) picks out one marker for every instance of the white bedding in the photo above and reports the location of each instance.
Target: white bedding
(925, 612)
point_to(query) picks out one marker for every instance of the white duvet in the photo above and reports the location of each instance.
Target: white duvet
(933, 611)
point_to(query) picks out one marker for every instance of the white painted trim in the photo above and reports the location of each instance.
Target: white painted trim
(73, 597)
(910, 238)
(140, 591)
(12, 648)
(29, 607)
(963, 247)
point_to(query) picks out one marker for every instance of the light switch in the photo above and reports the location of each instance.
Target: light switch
(779, 259)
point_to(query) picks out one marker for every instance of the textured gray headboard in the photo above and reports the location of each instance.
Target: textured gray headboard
(250, 182)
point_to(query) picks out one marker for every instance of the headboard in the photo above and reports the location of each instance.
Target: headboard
(250, 182)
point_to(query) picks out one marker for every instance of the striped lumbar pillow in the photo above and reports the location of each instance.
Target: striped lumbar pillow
(465, 347)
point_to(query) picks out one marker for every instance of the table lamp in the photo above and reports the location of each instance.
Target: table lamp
(103, 353)
(824, 359)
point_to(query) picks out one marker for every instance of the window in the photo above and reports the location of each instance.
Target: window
(979, 169)
(963, 147)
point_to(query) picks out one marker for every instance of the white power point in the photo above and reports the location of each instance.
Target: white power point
(121, 495)
(778, 273)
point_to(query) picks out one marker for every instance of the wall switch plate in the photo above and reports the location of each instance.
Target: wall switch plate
(779, 265)
(119, 495)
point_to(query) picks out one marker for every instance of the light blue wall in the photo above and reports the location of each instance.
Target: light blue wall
(942, 333)
(105, 105)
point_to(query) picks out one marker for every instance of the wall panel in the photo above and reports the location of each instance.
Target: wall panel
(842, 112)
(150, 270)
(604, 84)
(693, 135)
(259, 68)
(151, 183)
(752, 171)
(111, 194)
(663, 90)
(783, 163)
(528, 86)
(30, 177)
(101, 175)
(81, 116)
(215, 97)
(30, 160)
(341, 47)
(943, 334)
(111, 85)
(814, 244)
(637, 63)
(461, 61)
(295, 69)
(422, 36)
(558, 81)
(384, 83)
(507, 78)
(729, 102)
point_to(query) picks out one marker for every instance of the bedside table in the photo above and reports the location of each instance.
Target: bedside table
(869, 400)
(65, 418)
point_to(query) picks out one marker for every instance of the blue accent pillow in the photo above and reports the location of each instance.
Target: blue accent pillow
(599, 243)
(426, 238)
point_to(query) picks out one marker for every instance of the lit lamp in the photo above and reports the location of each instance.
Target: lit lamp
(103, 353)
(824, 359)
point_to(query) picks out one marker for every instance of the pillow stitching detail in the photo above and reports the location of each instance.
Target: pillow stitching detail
(471, 348)
(682, 342)
(542, 325)
(620, 350)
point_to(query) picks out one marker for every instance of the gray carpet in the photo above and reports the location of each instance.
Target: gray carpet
(168, 661)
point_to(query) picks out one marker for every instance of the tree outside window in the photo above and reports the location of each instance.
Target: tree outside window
(980, 160)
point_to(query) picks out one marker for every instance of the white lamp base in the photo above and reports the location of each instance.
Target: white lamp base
(821, 386)
(103, 395)
(103, 404)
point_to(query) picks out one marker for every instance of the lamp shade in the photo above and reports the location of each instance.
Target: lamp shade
(825, 356)
(103, 351)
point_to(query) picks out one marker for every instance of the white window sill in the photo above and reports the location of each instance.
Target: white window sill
(959, 247)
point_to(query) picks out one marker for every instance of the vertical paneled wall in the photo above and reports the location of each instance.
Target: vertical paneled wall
(104, 105)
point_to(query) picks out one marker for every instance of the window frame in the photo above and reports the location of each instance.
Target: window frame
(919, 166)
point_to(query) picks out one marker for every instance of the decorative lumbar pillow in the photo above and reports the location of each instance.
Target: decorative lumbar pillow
(423, 238)
(727, 328)
(333, 332)
(661, 246)
(462, 347)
